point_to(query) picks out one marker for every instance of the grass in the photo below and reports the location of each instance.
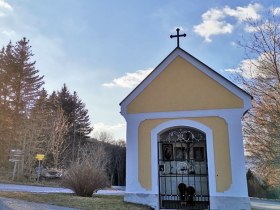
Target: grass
(97, 202)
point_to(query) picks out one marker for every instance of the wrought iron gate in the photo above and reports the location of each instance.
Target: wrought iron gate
(183, 172)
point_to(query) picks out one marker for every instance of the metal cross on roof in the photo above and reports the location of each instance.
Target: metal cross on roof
(178, 36)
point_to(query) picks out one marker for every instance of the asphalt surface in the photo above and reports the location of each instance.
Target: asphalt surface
(34, 189)
(14, 204)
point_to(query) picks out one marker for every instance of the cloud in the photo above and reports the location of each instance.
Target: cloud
(212, 24)
(99, 127)
(264, 26)
(250, 29)
(5, 8)
(129, 80)
(9, 33)
(245, 68)
(111, 132)
(5, 5)
(276, 11)
(243, 13)
(214, 20)
(249, 68)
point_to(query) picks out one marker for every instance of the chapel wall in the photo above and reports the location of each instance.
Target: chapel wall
(221, 150)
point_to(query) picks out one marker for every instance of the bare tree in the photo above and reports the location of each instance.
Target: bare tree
(57, 131)
(33, 133)
(115, 155)
(96, 154)
(104, 136)
(262, 80)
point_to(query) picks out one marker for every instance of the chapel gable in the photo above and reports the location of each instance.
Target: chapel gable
(181, 86)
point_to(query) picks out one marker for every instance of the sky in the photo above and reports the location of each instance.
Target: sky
(103, 49)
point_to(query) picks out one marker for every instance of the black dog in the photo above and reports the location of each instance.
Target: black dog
(183, 191)
(190, 194)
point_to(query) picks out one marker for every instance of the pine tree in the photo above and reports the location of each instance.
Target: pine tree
(82, 121)
(20, 86)
(41, 105)
(78, 120)
(7, 64)
(3, 80)
(53, 103)
(5, 111)
(26, 83)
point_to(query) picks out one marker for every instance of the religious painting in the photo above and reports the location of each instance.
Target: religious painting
(179, 153)
(198, 153)
(167, 152)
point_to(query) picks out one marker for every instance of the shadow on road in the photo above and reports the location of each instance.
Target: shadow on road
(4, 206)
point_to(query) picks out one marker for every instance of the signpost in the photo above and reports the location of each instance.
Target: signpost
(39, 157)
(17, 156)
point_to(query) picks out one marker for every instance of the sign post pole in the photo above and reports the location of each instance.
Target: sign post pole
(39, 157)
(39, 170)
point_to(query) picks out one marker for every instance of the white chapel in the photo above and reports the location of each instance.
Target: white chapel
(184, 138)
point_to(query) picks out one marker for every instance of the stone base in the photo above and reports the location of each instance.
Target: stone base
(141, 198)
(229, 203)
(216, 202)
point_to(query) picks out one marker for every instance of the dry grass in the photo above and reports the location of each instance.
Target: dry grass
(98, 202)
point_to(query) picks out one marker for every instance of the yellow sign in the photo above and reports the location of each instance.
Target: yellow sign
(40, 156)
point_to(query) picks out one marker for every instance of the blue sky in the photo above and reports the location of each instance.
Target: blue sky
(103, 49)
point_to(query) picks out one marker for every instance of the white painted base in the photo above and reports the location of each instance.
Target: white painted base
(216, 202)
(141, 198)
(229, 203)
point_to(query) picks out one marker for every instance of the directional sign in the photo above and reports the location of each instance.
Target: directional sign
(40, 156)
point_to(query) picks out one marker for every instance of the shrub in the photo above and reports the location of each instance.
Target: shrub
(256, 186)
(259, 188)
(84, 178)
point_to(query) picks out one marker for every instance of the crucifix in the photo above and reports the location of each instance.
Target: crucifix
(178, 36)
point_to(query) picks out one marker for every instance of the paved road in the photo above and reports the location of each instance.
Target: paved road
(35, 189)
(14, 204)
(264, 204)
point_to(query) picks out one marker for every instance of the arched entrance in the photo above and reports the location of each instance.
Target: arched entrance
(183, 170)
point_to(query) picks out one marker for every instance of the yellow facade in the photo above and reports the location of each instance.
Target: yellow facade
(181, 87)
(221, 148)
